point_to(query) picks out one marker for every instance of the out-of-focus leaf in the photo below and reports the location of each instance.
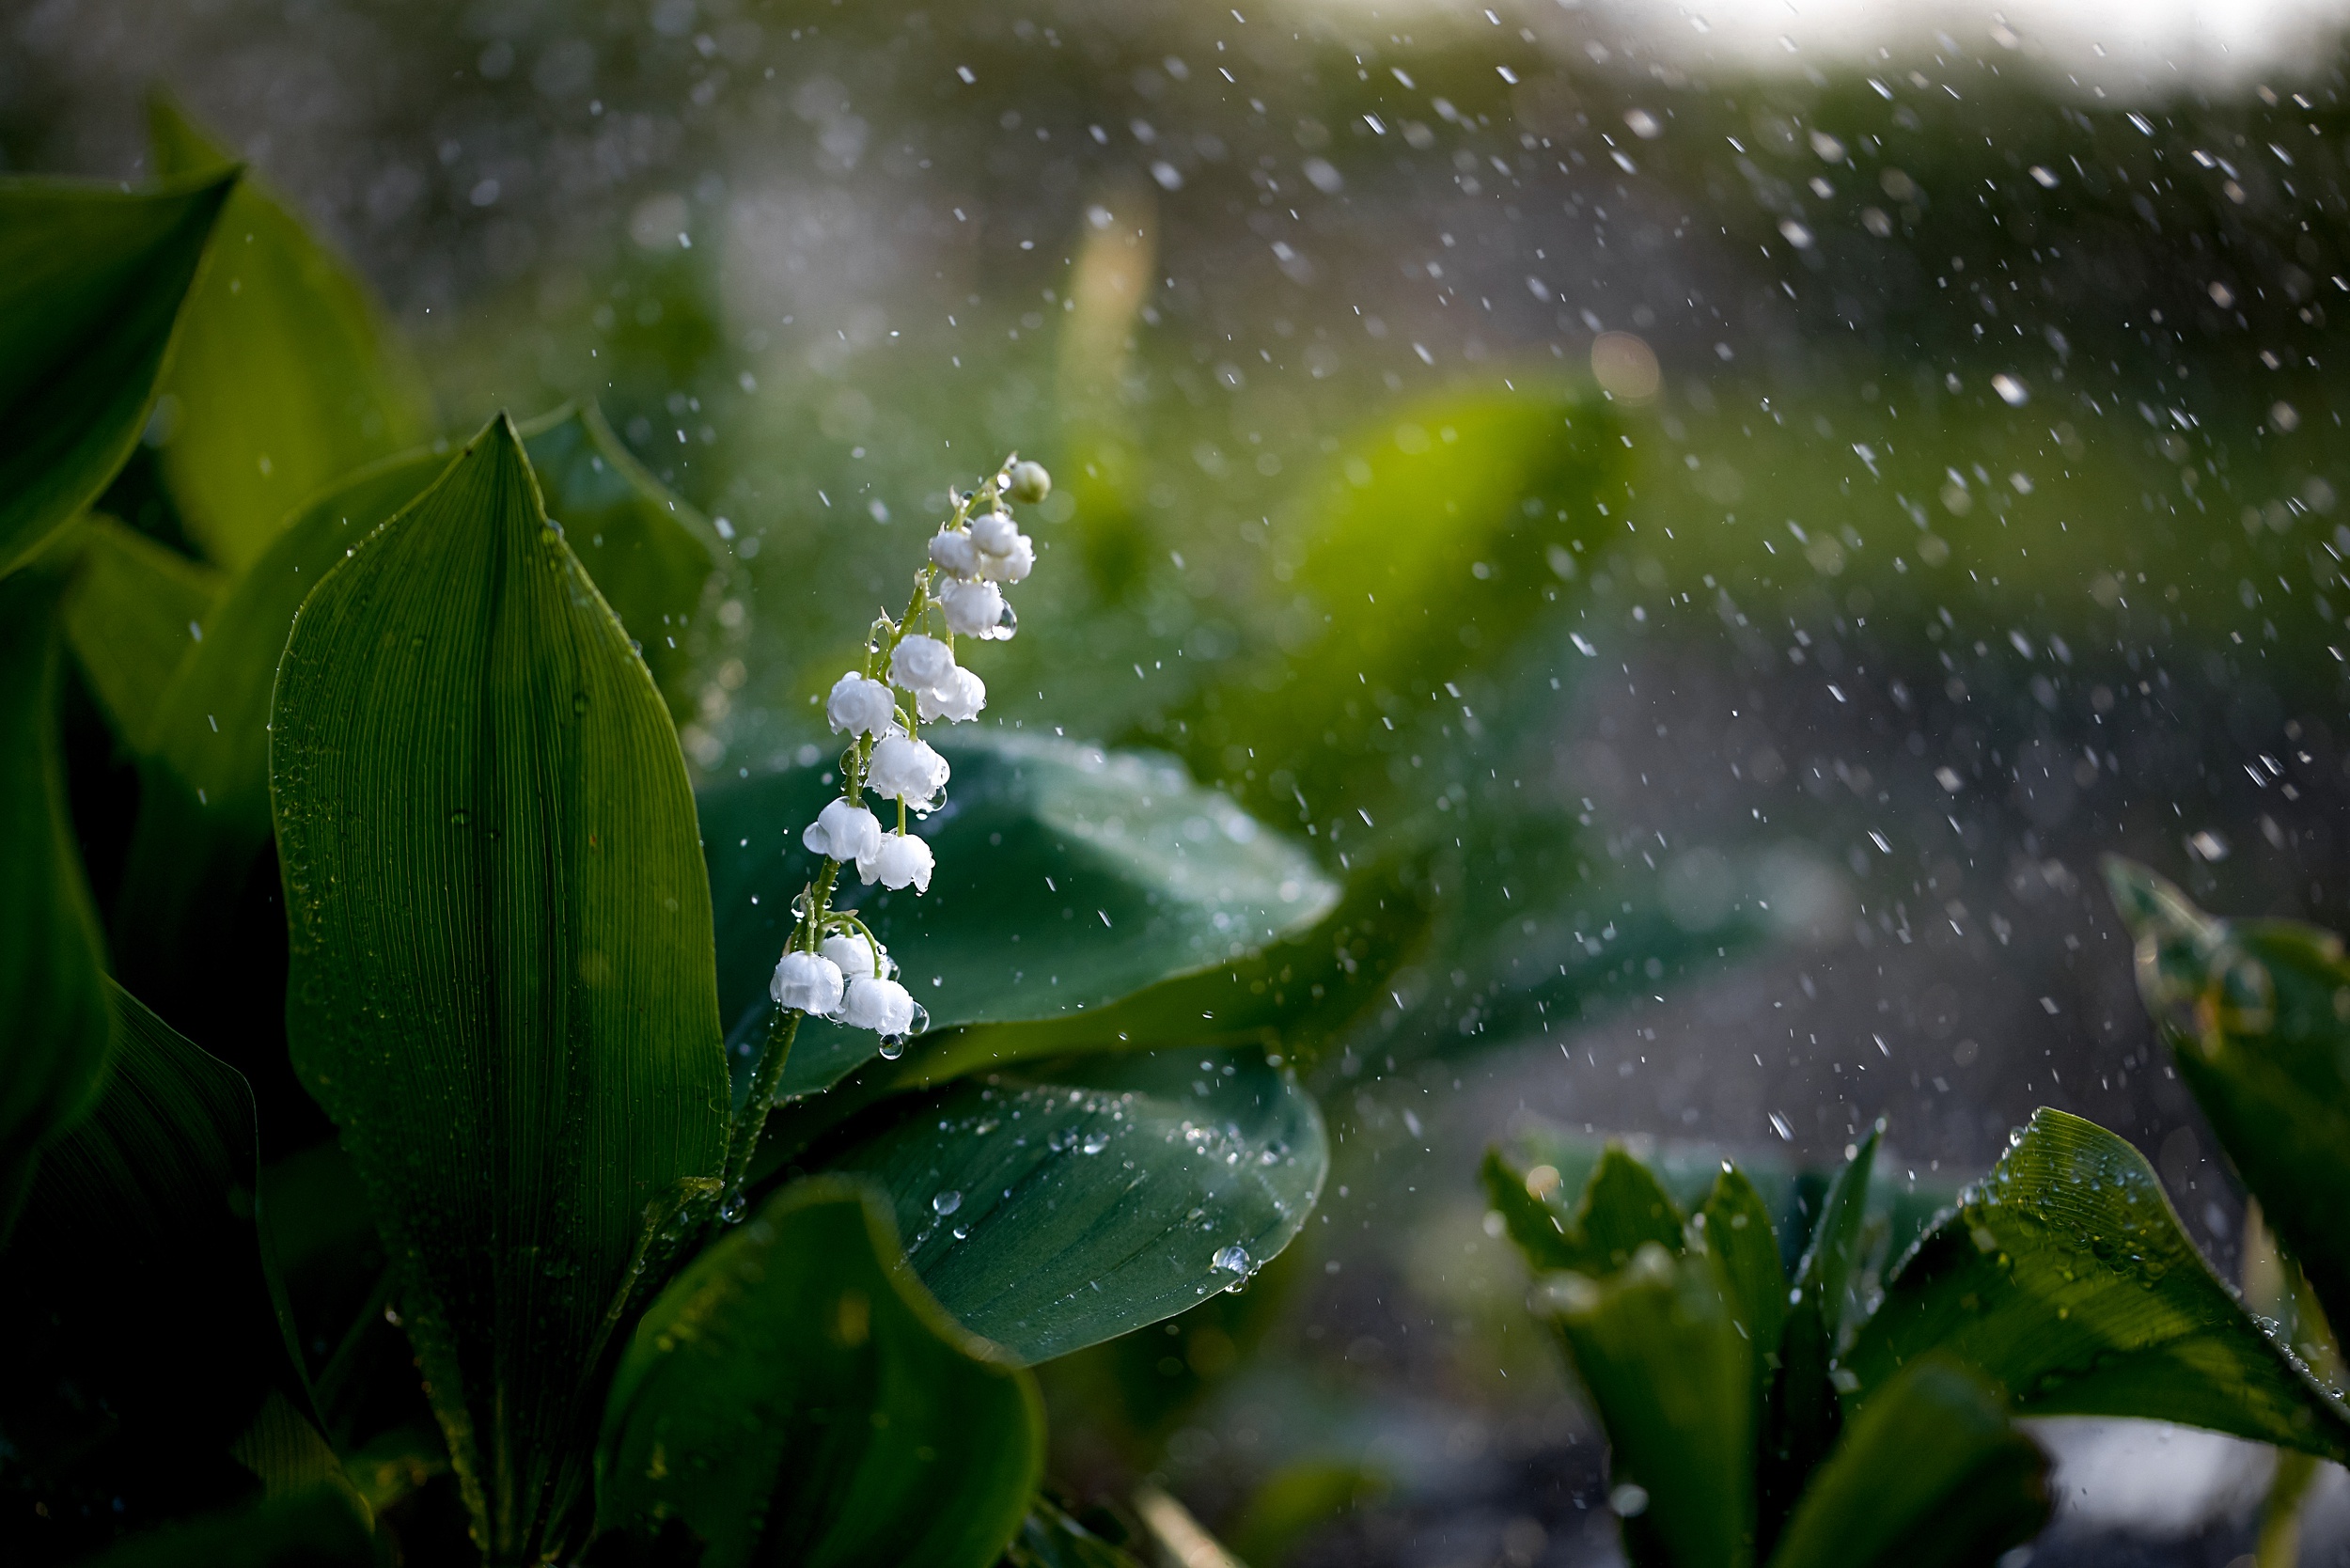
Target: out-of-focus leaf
(1428, 549)
(1052, 1207)
(52, 960)
(131, 610)
(139, 1298)
(287, 376)
(1294, 1502)
(92, 282)
(2257, 1014)
(1620, 1207)
(1657, 1346)
(1931, 1475)
(1051, 1537)
(1737, 1229)
(797, 1398)
(2064, 1279)
(321, 1526)
(1067, 878)
(501, 983)
(1802, 1414)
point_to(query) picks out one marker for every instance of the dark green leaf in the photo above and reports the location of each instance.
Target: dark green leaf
(1621, 1206)
(1657, 1347)
(323, 1527)
(132, 610)
(1802, 1413)
(1067, 878)
(287, 376)
(2063, 1278)
(1931, 1475)
(1051, 1207)
(91, 281)
(2257, 1014)
(501, 987)
(1049, 1537)
(1736, 1225)
(798, 1401)
(52, 961)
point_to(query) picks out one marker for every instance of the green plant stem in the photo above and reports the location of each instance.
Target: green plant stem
(777, 1050)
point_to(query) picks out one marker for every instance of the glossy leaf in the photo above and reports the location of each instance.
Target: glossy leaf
(139, 1298)
(1052, 1207)
(2063, 1278)
(501, 988)
(1657, 1347)
(91, 281)
(322, 1527)
(287, 376)
(797, 1400)
(132, 609)
(52, 960)
(1931, 1475)
(2257, 1014)
(1067, 878)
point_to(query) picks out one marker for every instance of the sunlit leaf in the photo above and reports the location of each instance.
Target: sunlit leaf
(287, 376)
(1052, 1207)
(52, 960)
(1067, 878)
(130, 614)
(2257, 1014)
(501, 984)
(798, 1401)
(2064, 1279)
(1932, 1474)
(91, 281)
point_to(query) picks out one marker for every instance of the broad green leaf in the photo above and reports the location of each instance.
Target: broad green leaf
(1067, 878)
(1621, 1208)
(287, 376)
(1657, 1346)
(91, 281)
(1931, 1475)
(2257, 1014)
(132, 610)
(2064, 1279)
(320, 1526)
(501, 988)
(1052, 1207)
(52, 960)
(139, 1299)
(1737, 1229)
(798, 1401)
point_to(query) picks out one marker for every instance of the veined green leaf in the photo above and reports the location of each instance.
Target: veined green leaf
(1067, 878)
(52, 960)
(798, 1401)
(2063, 1278)
(1932, 1474)
(1052, 1207)
(287, 376)
(2257, 1014)
(91, 281)
(501, 986)
(131, 612)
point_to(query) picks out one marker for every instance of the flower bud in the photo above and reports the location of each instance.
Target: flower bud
(955, 554)
(905, 769)
(921, 663)
(844, 832)
(807, 983)
(1012, 565)
(1030, 483)
(857, 957)
(973, 610)
(882, 1006)
(860, 705)
(994, 533)
(902, 861)
(958, 702)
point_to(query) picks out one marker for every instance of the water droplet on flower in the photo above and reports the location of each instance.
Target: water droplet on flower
(946, 1204)
(892, 1047)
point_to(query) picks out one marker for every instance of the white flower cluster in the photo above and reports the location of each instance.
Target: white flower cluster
(852, 981)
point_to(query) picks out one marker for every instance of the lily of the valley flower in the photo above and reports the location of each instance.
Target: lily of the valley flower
(882, 1006)
(900, 860)
(808, 982)
(861, 706)
(844, 832)
(958, 702)
(906, 770)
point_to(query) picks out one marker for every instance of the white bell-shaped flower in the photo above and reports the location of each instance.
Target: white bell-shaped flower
(807, 982)
(921, 663)
(857, 957)
(1013, 565)
(972, 609)
(860, 705)
(902, 861)
(994, 533)
(958, 702)
(955, 554)
(844, 832)
(882, 1006)
(905, 769)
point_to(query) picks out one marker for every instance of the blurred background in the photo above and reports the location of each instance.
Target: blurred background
(1831, 474)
